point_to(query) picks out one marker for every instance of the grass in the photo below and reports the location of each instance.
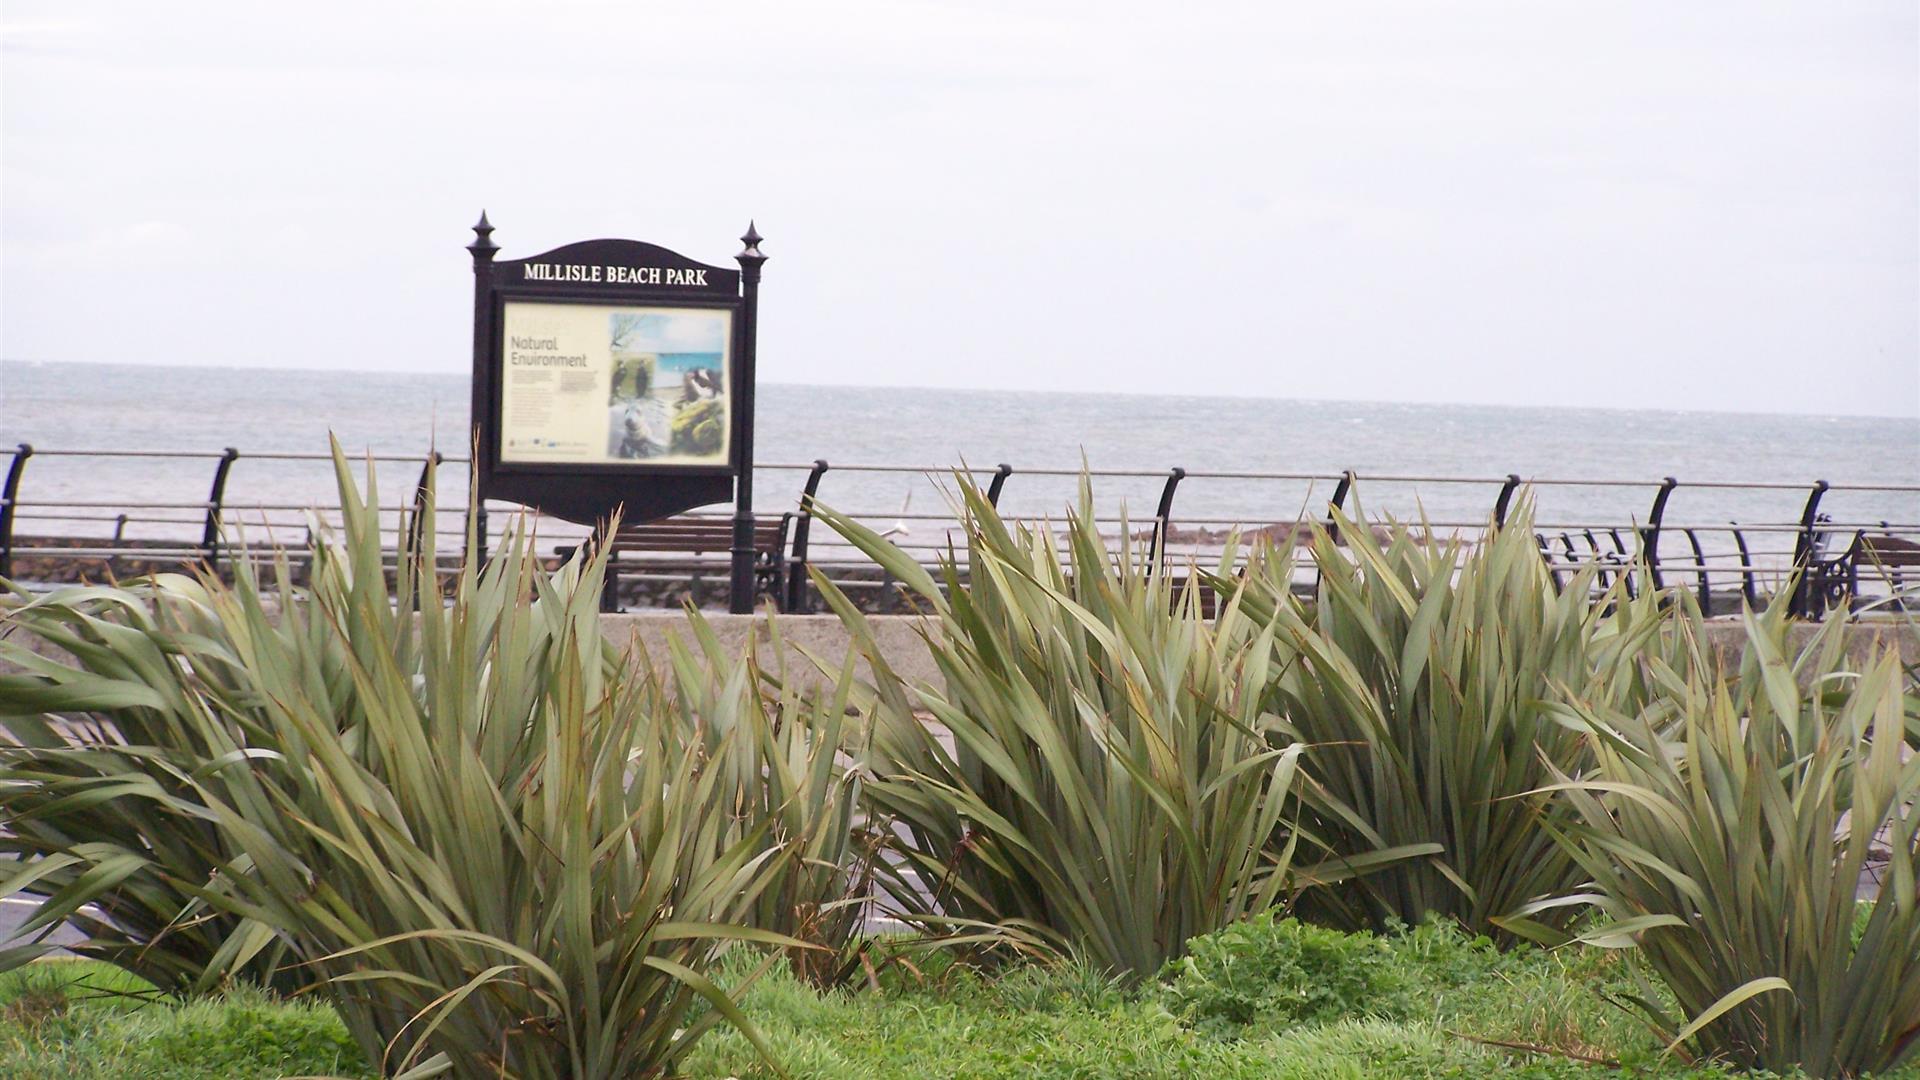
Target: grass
(1067, 1022)
(84, 1020)
(1458, 1000)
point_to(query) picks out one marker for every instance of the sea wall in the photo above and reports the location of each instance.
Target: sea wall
(902, 639)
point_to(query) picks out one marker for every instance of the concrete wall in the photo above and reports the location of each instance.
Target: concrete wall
(821, 636)
(901, 641)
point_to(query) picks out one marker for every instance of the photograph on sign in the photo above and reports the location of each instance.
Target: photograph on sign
(615, 385)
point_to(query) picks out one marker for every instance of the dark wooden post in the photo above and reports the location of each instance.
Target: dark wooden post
(750, 260)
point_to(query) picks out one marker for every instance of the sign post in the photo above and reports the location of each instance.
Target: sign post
(617, 375)
(750, 260)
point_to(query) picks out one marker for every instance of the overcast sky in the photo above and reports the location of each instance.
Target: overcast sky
(1696, 205)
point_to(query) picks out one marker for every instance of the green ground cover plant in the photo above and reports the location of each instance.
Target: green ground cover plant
(941, 1019)
(1466, 998)
(89, 1021)
(1273, 973)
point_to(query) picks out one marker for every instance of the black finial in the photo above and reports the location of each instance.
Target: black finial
(751, 253)
(750, 258)
(483, 246)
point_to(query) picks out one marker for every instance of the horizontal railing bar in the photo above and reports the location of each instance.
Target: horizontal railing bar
(264, 455)
(352, 456)
(834, 467)
(1144, 524)
(229, 506)
(875, 467)
(1230, 474)
(1678, 569)
(211, 454)
(128, 518)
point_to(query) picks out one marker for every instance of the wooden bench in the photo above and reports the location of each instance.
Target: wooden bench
(694, 544)
(1884, 556)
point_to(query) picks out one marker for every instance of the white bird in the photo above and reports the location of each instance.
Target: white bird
(899, 527)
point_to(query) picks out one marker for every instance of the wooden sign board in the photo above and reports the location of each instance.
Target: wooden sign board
(615, 374)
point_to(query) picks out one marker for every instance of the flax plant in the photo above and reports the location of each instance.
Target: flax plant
(1426, 687)
(97, 815)
(1727, 826)
(1096, 772)
(794, 792)
(492, 851)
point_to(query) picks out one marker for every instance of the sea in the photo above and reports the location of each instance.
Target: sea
(892, 452)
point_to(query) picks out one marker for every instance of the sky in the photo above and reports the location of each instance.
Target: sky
(1638, 204)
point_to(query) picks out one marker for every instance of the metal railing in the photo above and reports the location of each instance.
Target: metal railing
(1858, 560)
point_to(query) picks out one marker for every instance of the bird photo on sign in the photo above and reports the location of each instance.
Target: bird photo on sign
(666, 399)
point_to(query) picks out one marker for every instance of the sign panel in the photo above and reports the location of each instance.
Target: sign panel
(616, 376)
(600, 384)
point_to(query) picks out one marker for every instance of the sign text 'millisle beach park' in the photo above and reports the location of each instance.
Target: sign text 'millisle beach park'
(614, 275)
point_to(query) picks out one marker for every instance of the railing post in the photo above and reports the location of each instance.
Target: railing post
(999, 481)
(119, 534)
(9, 496)
(798, 598)
(1546, 556)
(476, 506)
(1706, 585)
(1748, 588)
(603, 536)
(1163, 520)
(1650, 536)
(1337, 503)
(216, 499)
(1626, 561)
(1599, 560)
(417, 528)
(1802, 604)
(1506, 498)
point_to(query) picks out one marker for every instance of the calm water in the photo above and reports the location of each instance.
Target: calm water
(93, 407)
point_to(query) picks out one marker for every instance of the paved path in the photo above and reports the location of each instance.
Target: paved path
(15, 910)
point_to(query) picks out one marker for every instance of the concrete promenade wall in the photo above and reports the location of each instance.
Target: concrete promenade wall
(906, 650)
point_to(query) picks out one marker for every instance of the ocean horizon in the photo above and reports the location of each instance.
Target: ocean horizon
(74, 406)
(938, 388)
